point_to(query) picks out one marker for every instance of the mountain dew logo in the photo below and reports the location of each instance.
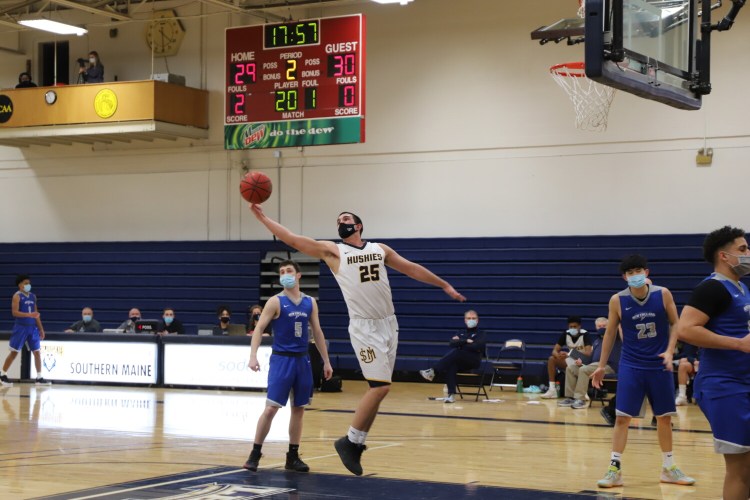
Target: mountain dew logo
(254, 135)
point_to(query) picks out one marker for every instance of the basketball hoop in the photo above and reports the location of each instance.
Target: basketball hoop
(591, 100)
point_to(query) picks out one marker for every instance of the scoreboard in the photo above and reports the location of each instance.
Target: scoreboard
(297, 83)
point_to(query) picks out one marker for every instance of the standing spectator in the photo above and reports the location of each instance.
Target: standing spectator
(577, 374)
(716, 320)
(170, 324)
(27, 329)
(467, 351)
(128, 326)
(578, 344)
(94, 73)
(24, 81)
(87, 323)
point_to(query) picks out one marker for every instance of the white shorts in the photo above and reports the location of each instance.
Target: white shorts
(375, 342)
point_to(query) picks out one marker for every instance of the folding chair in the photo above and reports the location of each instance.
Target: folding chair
(508, 362)
(476, 379)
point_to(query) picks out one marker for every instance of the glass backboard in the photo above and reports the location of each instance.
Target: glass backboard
(646, 47)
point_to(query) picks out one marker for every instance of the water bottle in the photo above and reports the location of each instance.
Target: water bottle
(557, 386)
(519, 384)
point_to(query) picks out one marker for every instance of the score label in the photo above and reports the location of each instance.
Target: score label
(296, 83)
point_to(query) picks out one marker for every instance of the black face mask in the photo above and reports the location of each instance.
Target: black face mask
(601, 331)
(256, 317)
(224, 319)
(346, 230)
(135, 318)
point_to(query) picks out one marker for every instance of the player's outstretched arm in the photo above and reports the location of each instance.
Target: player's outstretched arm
(691, 328)
(609, 340)
(324, 250)
(270, 311)
(320, 342)
(419, 273)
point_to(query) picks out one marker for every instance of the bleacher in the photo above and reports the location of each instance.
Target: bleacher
(521, 286)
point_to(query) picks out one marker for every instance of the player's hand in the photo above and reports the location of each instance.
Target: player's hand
(452, 293)
(327, 370)
(41, 335)
(667, 361)
(597, 377)
(579, 362)
(469, 341)
(255, 366)
(34, 315)
(257, 211)
(563, 354)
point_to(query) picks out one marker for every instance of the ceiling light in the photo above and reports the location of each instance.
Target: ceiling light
(402, 2)
(53, 27)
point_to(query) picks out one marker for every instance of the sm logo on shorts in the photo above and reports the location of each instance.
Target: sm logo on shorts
(367, 355)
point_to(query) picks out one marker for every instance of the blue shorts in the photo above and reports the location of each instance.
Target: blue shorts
(634, 384)
(729, 416)
(289, 374)
(22, 334)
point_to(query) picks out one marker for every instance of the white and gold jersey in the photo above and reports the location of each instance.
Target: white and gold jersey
(363, 279)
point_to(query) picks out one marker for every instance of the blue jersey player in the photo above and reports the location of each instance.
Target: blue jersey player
(648, 316)
(27, 329)
(717, 319)
(292, 313)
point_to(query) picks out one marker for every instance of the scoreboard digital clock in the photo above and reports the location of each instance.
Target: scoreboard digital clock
(296, 83)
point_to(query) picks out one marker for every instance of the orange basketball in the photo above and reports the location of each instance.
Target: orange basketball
(255, 187)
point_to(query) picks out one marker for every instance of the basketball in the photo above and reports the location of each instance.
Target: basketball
(255, 187)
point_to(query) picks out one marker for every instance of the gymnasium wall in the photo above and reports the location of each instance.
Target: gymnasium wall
(467, 135)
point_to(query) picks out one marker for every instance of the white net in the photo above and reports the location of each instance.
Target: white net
(590, 100)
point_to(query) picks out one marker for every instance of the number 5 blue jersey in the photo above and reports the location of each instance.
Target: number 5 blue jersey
(290, 329)
(645, 329)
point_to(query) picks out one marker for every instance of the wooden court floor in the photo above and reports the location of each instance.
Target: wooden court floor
(65, 441)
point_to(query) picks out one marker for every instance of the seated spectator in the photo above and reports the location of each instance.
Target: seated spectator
(686, 359)
(170, 324)
(128, 326)
(225, 317)
(24, 81)
(578, 344)
(577, 374)
(467, 350)
(87, 323)
(253, 315)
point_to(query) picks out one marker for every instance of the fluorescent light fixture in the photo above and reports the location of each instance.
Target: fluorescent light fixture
(53, 27)
(402, 2)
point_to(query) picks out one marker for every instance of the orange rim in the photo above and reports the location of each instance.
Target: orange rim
(574, 69)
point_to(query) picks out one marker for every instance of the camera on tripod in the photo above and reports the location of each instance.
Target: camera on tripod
(82, 62)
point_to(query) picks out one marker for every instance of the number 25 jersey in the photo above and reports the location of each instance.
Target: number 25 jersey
(645, 329)
(363, 279)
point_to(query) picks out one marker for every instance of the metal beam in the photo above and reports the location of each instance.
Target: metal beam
(92, 10)
(242, 10)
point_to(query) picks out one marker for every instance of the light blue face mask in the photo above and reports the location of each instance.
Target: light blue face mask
(87, 318)
(573, 331)
(168, 320)
(637, 280)
(27, 288)
(471, 323)
(287, 280)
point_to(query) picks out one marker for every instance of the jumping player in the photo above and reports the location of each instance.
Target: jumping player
(648, 315)
(290, 312)
(717, 319)
(27, 329)
(359, 269)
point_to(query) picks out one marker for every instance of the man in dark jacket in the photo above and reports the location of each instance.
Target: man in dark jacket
(467, 351)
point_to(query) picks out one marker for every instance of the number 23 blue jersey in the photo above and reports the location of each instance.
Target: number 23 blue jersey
(645, 329)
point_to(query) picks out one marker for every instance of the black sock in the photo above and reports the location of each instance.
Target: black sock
(257, 447)
(293, 448)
